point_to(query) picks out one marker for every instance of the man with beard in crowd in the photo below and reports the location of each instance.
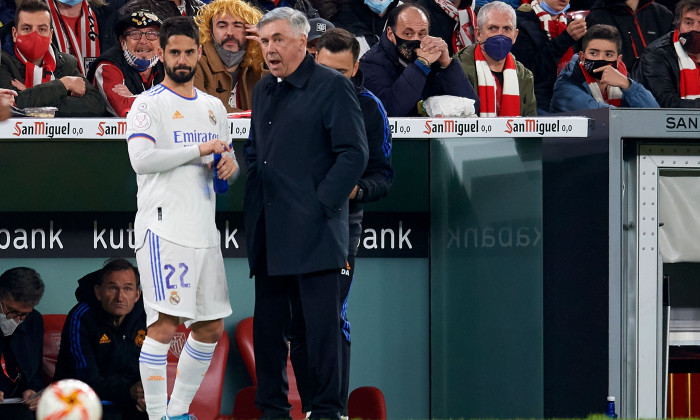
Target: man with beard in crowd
(230, 65)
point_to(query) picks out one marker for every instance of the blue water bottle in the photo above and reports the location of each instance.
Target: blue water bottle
(610, 412)
(220, 185)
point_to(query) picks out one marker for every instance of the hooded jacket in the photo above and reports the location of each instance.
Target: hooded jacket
(97, 352)
(637, 28)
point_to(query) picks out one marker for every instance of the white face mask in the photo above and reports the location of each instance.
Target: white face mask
(7, 325)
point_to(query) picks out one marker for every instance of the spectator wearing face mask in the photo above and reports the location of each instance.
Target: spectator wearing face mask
(230, 65)
(21, 341)
(506, 87)
(597, 77)
(669, 66)
(83, 28)
(132, 67)
(408, 65)
(366, 19)
(42, 75)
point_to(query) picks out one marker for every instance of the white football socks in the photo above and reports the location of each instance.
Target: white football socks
(194, 362)
(153, 368)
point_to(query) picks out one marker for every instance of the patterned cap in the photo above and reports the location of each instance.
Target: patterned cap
(140, 19)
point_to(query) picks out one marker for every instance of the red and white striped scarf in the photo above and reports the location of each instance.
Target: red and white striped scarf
(690, 73)
(497, 101)
(553, 27)
(36, 75)
(463, 35)
(614, 93)
(85, 45)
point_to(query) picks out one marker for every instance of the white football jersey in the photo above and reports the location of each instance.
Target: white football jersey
(176, 198)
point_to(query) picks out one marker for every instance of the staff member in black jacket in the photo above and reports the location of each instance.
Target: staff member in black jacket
(102, 337)
(21, 342)
(306, 151)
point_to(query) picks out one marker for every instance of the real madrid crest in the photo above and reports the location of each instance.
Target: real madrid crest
(212, 118)
(174, 298)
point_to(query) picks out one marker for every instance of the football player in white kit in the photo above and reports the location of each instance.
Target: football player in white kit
(173, 130)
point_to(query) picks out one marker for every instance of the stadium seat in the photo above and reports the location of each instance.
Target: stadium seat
(53, 325)
(207, 402)
(367, 402)
(246, 396)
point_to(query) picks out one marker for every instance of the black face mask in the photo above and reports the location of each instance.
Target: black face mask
(407, 49)
(690, 42)
(591, 65)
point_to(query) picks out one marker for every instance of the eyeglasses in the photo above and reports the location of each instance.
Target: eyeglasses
(12, 314)
(150, 35)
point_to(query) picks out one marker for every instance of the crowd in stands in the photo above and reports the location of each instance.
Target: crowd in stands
(90, 58)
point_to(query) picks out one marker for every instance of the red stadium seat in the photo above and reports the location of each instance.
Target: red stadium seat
(207, 402)
(367, 402)
(246, 396)
(53, 325)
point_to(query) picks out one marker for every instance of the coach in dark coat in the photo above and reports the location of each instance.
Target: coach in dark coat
(306, 151)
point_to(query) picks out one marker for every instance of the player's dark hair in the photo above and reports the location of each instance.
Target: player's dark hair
(178, 25)
(605, 32)
(22, 284)
(338, 40)
(119, 264)
(394, 14)
(31, 6)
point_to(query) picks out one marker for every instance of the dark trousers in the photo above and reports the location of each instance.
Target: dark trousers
(315, 296)
(16, 412)
(298, 352)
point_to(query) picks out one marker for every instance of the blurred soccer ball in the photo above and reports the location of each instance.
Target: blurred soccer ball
(69, 399)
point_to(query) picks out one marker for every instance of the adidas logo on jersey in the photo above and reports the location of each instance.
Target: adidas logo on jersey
(177, 115)
(105, 339)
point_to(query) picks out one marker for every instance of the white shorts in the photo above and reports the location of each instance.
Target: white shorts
(189, 283)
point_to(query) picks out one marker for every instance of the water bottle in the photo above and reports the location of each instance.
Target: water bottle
(220, 185)
(610, 412)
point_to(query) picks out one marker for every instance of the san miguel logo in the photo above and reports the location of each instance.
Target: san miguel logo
(456, 127)
(111, 129)
(41, 129)
(529, 125)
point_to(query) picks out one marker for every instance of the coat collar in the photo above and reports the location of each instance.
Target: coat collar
(302, 74)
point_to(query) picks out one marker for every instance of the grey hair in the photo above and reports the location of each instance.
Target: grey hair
(296, 19)
(494, 6)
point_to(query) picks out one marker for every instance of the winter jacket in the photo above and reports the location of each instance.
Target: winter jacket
(571, 92)
(23, 352)
(528, 103)
(378, 176)
(638, 29)
(52, 93)
(360, 20)
(538, 53)
(162, 8)
(131, 79)
(213, 78)
(400, 88)
(97, 352)
(658, 70)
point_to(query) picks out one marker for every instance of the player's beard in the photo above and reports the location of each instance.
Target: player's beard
(179, 77)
